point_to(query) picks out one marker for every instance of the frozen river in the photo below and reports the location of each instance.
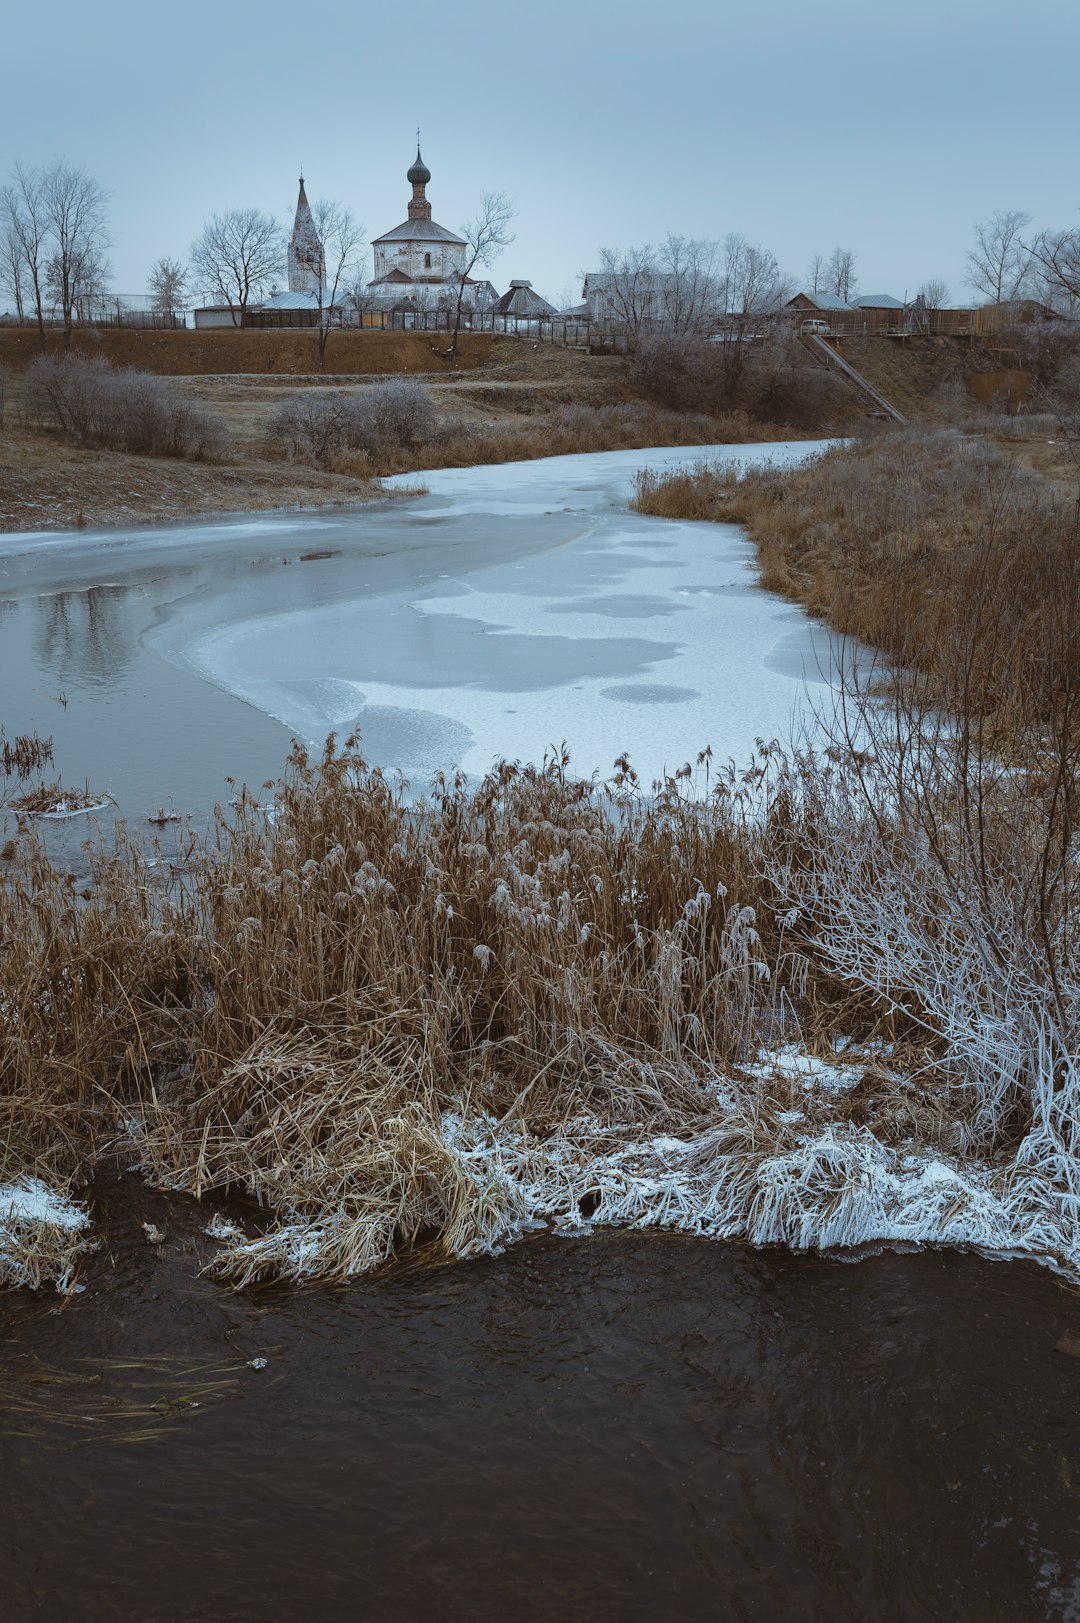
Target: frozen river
(508, 610)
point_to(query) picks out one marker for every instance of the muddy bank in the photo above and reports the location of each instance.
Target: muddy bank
(45, 485)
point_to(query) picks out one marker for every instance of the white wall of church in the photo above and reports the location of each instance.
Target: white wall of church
(419, 259)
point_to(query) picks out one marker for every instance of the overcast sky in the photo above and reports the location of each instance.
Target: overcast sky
(889, 130)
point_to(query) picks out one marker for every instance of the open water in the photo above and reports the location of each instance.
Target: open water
(623, 1427)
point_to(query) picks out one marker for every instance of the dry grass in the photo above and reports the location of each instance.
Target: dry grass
(304, 1007)
(436, 1024)
(899, 541)
(338, 432)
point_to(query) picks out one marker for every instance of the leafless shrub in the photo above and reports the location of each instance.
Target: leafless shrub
(310, 427)
(66, 395)
(398, 414)
(89, 402)
(766, 377)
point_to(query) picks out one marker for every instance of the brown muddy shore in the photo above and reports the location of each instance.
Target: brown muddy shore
(243, 378)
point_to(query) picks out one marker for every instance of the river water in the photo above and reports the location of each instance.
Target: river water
(509, 610)
(624, 1427)
(627, 1426)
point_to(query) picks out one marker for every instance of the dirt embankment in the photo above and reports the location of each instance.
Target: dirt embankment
(244, 377)
(935, 380)
(288, 353)
(48, 486)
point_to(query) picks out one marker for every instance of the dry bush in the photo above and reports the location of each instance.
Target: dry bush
(397, 1023)
(381, 430)
(300, 1009)
(770, 379)
(329, 428)
(89, 402)
(1050, 352)
(932, 863)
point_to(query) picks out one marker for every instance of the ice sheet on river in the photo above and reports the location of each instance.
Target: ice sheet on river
(610, 631)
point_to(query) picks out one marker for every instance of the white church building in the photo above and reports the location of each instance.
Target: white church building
(419, 264)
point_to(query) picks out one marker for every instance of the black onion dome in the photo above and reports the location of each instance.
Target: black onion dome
(419, 174)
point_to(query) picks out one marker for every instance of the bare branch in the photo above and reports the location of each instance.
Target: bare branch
(999, 265)
(237, 256)
(486, 235)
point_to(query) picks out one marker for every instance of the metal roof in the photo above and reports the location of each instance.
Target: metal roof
(289, 301)
(877, 301)
(825, 301)
(420, 231)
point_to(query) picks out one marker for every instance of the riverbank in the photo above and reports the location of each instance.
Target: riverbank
(508, 401)
(46, 485)
(751, 1004)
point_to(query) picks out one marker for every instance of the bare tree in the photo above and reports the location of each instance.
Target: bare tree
(25, 221)
(678, 287)
(934, 293)
(816, 274)
(690, 284)
(999, 265)
(839, 274)
(168, 285)
(78, 237)
(12, 268)
(486, 235)
(358, 295)
(88, 289)
(753, 283)
(236, 257)
(1056, 265)
(340, 237)
(628, 283)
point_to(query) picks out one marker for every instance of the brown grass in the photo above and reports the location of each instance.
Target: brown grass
(298, 1010)
(900, 541)
(566, 431)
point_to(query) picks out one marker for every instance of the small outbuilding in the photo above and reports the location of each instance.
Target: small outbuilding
(523, 300)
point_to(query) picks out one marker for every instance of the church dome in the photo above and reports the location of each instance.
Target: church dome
(419, 174)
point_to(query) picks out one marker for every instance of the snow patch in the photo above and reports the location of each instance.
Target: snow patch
(42, 1234)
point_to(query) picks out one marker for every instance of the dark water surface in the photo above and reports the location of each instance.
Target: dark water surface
(625, 1426)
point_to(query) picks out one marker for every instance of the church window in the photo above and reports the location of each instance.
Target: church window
(427, 261)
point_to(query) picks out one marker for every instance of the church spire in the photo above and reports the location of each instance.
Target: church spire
(306, 264)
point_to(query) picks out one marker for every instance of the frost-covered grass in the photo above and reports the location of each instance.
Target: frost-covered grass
(42, 1234)
(760, 1011)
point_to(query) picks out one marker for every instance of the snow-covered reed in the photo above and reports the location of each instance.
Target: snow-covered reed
(538, 1000)
(42, 1234)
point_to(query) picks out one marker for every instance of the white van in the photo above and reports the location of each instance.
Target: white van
(816, 328)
